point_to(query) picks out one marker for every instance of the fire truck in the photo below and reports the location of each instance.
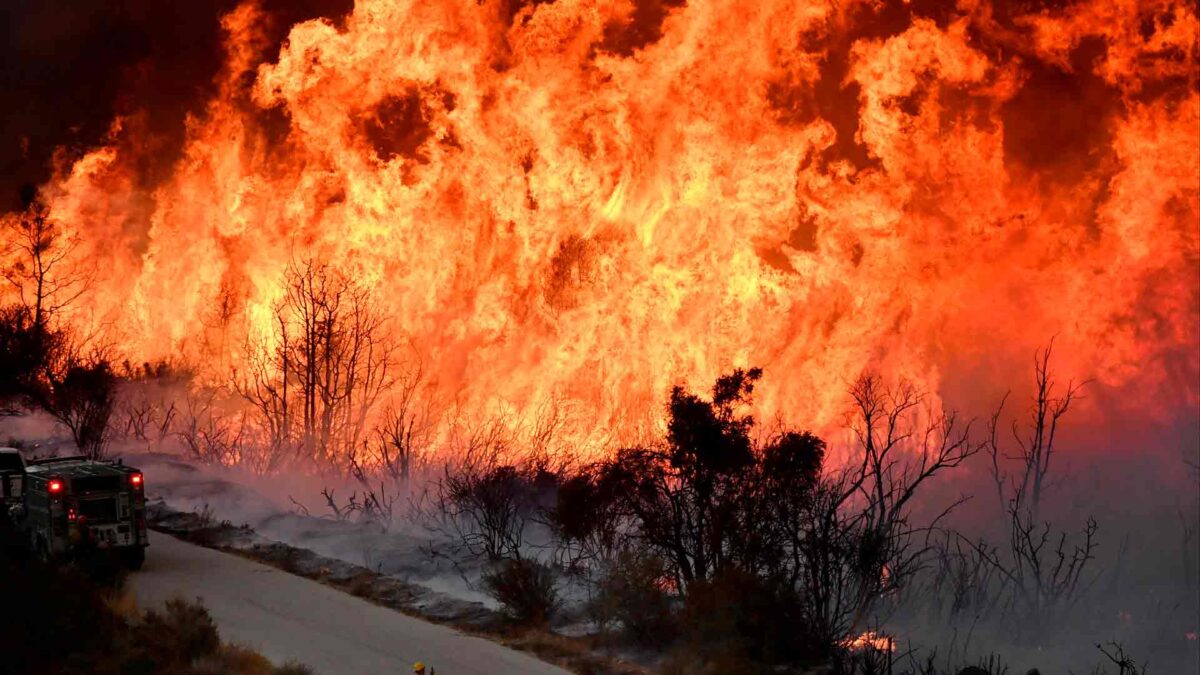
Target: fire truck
(73, 505)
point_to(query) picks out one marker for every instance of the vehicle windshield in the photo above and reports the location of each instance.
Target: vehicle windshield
(10, 461)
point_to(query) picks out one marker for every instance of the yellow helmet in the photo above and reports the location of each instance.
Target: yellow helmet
(418, 667)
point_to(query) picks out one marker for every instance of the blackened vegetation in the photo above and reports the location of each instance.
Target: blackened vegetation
(44, 367)
(43, 269)
(25, 353)
(1041, 572)
(728, 548)
(525, 588)
(490, 506)
(81, 394)
(1029, 576)
(42, 363)
(313, 384)
(718, 540)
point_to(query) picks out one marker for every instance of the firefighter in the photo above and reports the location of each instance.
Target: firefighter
(419, 669)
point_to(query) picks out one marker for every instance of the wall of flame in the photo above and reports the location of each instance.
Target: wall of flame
(588, 201)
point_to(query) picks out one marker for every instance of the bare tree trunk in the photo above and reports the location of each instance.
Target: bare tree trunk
(332, 362)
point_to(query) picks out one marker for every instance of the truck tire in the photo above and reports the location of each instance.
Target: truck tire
(134, 557)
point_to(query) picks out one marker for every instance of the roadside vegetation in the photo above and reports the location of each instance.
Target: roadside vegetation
(77, 620)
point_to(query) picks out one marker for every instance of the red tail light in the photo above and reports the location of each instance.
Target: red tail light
(135, 480)
(55, 486)
(70, 514)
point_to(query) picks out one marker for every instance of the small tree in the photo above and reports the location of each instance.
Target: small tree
(315, 380)
(214, 436)
(589, 519)
(26, 353)
(146, 408)
(1044, 570)
(401, 437)
(81, 395)
(490, 507)
(525, 589)
(820, 548)
(39, 267)
(867, 510)
(685, 495)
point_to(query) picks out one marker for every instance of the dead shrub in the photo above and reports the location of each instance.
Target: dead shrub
(234, 659)
(361, 585)
(742, 614)
(181, 634)
(81, 396)
(632, 593)
(589, 519)
(488, 507)
(526, 590)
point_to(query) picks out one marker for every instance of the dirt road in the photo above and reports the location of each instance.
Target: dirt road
(291, 618)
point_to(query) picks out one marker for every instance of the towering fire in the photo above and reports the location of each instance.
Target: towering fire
(585, 202)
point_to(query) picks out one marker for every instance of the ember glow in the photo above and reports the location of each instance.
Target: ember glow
(587, 202)
(871, 640)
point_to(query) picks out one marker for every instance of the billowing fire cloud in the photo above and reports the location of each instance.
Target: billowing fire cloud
(590, 201)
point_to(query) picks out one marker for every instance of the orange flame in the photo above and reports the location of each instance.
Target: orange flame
(871, 640)
(587, 202)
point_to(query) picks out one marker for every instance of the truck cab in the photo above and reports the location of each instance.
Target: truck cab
(12, 478)
(73, 504)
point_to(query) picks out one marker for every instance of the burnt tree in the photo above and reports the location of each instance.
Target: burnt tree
(38, 252)
(1043, 569)
(316, 376)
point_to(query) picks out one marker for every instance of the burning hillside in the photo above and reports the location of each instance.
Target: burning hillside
(579, 204)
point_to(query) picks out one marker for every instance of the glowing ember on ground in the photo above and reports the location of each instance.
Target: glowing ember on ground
(872, 640)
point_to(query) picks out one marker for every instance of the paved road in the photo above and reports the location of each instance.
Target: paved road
(291, 618)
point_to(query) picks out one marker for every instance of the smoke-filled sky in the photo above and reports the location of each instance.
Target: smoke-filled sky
(68, 67)
(586, 202)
